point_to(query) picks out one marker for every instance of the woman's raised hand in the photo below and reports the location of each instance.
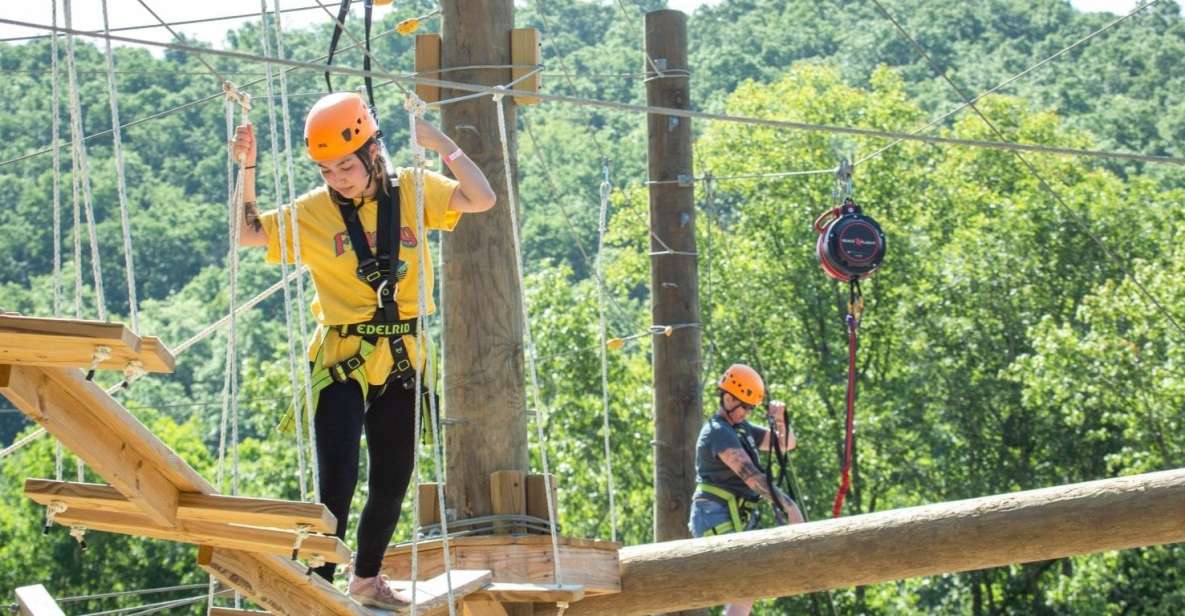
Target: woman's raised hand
(243, 148)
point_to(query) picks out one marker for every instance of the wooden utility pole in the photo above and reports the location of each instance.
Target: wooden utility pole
(483, 386)
(967, 535)
(674, 293)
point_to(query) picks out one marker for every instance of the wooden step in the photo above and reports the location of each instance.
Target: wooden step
(247, 538)
(505, 592)
(432, 595)
(191, 507)
(36, 601)
(276, 585)
(64, 343)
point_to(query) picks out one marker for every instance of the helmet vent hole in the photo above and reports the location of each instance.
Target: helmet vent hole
(347, 135)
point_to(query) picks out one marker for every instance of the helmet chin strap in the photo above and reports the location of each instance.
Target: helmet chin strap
(729, 411)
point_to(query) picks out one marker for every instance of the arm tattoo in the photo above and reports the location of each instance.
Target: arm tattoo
(251, 216)
(743, 466)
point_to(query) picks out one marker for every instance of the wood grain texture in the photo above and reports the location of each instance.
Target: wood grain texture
(483, 391)
(674, 299)
(64, 343)
(592, 565)
(277, 585)
(249, 539)
(260, 512)
(993, 531)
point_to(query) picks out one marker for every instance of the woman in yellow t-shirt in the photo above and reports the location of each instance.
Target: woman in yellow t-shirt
(364, 355)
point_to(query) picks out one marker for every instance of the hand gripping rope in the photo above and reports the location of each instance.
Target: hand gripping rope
(850, 248)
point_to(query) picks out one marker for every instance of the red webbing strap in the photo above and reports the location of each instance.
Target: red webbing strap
(849, 424)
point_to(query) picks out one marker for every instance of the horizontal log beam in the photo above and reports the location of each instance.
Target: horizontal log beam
(993, 531)
(261, 540)
(65, 343)
(260, 512)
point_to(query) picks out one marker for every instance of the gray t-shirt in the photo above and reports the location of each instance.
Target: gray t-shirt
(716, 436)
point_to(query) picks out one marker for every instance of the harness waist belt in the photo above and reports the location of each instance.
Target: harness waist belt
(378, 328)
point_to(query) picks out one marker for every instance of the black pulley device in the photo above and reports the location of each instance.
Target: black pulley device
(851, 245)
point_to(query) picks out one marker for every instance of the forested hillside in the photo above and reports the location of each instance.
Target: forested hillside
(1002, 349)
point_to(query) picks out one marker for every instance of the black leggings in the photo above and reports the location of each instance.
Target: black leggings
(389, 424)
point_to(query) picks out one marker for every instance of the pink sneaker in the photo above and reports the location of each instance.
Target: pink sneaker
(376, 592)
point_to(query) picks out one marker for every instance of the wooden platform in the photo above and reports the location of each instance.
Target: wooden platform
(591, 566)
(155, 481)
(62, 343)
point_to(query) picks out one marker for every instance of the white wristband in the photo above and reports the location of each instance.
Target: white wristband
(458, 153)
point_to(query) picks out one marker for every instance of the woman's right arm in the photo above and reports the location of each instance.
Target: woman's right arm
(251, 231)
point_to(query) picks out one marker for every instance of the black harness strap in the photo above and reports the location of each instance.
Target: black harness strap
(382, 273)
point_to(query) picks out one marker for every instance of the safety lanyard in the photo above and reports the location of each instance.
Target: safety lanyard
(343, 12)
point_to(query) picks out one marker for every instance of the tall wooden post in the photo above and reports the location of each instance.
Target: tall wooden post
(483, 386)
(673, 281)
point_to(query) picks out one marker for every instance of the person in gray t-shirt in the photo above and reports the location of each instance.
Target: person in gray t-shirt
(726, 463)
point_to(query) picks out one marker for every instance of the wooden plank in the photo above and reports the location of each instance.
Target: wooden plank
(246, 538)
(505, 592)
(525, 51)
(537, 496)
(63, 343)
(480, 606)
(121, 461)
(261, 512)
(125, 425)
(516, 559)
(429, 504)
(428, 65)
(277, 584)
(36, 601)
(967, 535)
(508, 496)
(226, 611)
(432, 595)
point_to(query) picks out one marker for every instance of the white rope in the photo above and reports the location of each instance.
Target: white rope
(415, 110)
(57, 172)
(540, 416)
(302, 318)
(25, 440)
(83, 167)
(606, 188)
(282, 224)
(121, 180)
(230, 381)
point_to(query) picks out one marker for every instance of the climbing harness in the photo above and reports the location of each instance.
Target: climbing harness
(742, 512)
(850, 248)
(851, 245)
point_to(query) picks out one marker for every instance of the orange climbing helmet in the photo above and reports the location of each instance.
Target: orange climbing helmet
(743, 383)
(338, 125)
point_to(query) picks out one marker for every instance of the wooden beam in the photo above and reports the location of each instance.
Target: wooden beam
(246, 538)
(519, 559)
(277, 585)
(508, 496)
(478, 606)
(132, 465)
(537, 484)
(36, 601)
(429, 504)
(62, 343)
(506, 592)
(428, 65)
(525, 51)
(993, 531)
(226, 611)
(260, 512)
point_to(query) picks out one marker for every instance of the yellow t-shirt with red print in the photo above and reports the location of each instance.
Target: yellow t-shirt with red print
(341, 297)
